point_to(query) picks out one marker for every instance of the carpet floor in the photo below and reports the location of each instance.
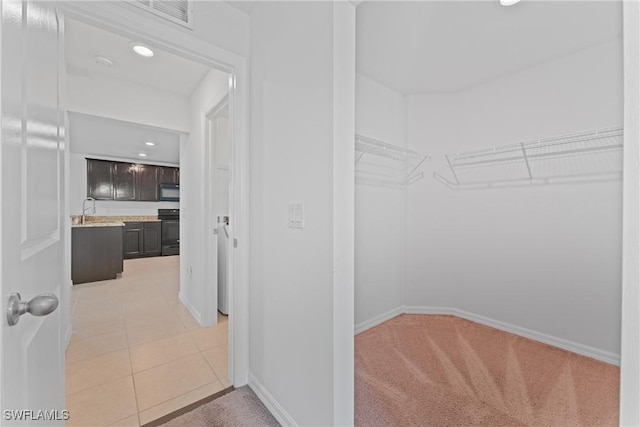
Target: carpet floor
(239, 408)
(424, 370)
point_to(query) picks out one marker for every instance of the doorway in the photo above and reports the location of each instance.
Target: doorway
(209, 362)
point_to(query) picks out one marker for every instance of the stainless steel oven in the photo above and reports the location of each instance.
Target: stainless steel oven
(170, 231)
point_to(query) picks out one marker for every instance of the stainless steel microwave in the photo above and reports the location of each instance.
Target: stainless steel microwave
(170, 192)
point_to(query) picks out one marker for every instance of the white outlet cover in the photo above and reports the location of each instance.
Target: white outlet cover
(296, 215)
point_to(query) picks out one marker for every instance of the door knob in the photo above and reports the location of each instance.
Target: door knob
(39, 306)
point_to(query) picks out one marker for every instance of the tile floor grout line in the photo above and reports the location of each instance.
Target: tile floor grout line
(84, 390)
(95, 357)
(182, 394)
(133, 379)
(167, 362)
(89, 297)
(212, 369)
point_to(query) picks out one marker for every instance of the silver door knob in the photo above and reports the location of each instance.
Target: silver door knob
(39, 306)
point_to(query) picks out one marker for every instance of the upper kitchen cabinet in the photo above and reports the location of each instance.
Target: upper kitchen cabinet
(124, 181)
(168, 175)
(99, 179)
(109, 180)
(147, 180)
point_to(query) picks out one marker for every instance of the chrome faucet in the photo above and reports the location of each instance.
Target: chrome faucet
(92, 207)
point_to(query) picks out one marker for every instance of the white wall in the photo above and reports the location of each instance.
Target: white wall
(195, 255)
(118, 99)
(222, 25)
(381, 113)
(544, 258)
(297, 67)
(78, 191)
(216, 23)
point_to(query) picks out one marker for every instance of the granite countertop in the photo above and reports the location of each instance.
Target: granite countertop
(110, 221)
(99, 224)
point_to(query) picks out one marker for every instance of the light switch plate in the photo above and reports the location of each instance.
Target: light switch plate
(296, 215)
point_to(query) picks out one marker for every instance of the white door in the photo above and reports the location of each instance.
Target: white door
(32, 218)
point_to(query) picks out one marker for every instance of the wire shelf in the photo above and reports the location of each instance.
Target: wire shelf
(385, 165)
(586, 156)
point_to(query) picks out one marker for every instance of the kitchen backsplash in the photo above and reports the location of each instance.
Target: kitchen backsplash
(111, 208)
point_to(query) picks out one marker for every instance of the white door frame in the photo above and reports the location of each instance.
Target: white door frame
(127, 21)
(215, 105)
(209, 312)
(630, 351)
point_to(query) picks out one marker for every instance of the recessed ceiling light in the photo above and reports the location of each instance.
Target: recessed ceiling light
(142, 155)
(141, 49)
(149, 143)
(103, 61)
(508, 2)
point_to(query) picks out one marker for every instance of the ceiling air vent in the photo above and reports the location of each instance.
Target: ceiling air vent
(178, 11)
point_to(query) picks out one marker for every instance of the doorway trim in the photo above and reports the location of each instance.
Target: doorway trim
(124, 20)
(630, 348)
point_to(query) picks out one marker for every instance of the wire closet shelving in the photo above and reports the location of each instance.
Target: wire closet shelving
(384, 165)
(587, 156)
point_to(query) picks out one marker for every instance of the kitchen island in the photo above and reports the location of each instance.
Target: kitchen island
(100, 244)
(96, 251)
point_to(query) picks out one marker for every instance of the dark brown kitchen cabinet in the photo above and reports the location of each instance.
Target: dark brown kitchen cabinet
(109, 180)
(99, 179)
(132, 240)
(147, 181)
(141, 239)
(167, 175)
(96, 253)
(124, 181)
(152, 238)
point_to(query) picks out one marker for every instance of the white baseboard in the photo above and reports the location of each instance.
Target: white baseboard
(279, 413)
(584, 350)
(368, 324)
(195, 313)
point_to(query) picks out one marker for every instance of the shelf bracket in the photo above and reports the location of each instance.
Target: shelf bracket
(526, 160)
(452, 170)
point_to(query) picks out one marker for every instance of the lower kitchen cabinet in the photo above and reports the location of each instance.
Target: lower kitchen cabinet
(141, 239)
(96, 253)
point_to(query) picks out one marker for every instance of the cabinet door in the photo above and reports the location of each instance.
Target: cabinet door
(167, 175)
(147, 181)
(152, 238)
(133, 240)
(124, 181)
(99, 179)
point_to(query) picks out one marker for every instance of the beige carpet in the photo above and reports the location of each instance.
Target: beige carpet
(240, 408)
(444, 371)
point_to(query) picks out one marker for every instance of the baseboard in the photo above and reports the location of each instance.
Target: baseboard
(381, 318)
(584, 350)
(279, 413)
(195, 313)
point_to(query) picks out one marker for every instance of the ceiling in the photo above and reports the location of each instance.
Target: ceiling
(448, 46)
(116, 138)
(163, 71)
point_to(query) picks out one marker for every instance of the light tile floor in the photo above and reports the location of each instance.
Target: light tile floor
(136, 352)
